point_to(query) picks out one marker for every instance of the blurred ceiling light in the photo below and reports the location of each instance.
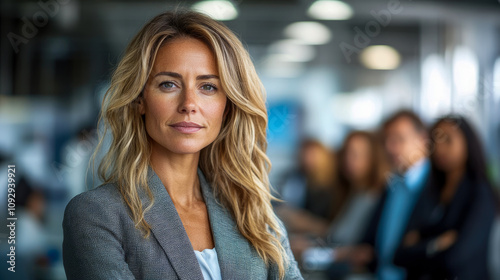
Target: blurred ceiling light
(292, 50)
(330, 10)
(275, 66)
(380, 57)
(69, 14)
(217, 9)
(465, 71)
(361, 109)
(309, 32)
(435, 94)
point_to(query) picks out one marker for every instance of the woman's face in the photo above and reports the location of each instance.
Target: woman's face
(357, 159)
(450, 149)
(311, 157)
(183, 102)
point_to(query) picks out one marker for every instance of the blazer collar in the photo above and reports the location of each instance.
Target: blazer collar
(237, 257)
(167, 228)
(234, 252)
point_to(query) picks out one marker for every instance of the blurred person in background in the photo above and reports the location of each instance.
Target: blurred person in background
(405, 138)
(308, 192)
(447, 238)
(362, 170)
(31, 234)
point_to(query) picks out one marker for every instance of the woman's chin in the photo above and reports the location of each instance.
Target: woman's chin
(186, 148)
(186, 151)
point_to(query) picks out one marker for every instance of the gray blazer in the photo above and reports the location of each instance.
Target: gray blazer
(101, 242)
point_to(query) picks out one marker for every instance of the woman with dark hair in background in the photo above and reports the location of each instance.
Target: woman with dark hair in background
(447, 235)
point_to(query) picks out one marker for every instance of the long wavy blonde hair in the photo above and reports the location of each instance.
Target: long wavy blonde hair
(235, 164)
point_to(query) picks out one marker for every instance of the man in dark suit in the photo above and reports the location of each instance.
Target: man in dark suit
(405, 139)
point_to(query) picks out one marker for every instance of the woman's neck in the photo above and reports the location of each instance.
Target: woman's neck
(452, 180)
(360, 185)
(178, 173)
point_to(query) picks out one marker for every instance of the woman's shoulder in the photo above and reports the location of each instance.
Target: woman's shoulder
(484, 195)
(106, 196)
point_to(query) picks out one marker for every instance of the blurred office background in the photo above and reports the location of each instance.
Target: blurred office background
(329, 67)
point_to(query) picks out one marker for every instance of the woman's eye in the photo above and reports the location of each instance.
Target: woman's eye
(167, 85)
(208, 87)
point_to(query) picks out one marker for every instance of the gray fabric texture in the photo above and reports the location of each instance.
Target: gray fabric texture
(101, 242)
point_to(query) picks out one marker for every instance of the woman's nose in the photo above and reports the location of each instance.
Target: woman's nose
(188, 102)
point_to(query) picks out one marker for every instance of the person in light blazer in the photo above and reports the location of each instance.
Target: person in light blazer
(186, 193)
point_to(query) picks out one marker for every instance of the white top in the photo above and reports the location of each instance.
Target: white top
(209, 264)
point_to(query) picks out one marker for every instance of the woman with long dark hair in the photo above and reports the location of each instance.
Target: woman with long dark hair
(448, 233)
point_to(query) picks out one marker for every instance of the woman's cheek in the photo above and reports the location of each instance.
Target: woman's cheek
(215, 110)
(161, 106)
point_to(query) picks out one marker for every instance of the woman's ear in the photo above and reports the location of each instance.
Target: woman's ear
(139, 100)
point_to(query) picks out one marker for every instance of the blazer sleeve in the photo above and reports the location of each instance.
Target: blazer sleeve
(415, 257)
(92, 246)
(468, 255)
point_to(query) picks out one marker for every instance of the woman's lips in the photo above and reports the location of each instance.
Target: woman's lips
(186, 127)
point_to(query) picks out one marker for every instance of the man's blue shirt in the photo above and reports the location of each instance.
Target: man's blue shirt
(403, 191)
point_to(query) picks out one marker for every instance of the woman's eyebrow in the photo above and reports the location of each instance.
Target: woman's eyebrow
(171, 74)
(207, 77)
(179, 76)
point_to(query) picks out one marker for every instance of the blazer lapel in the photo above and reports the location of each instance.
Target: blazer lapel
(168, 229)
(237, 258)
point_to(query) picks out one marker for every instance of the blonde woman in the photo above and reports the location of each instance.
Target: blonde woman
(186, 192)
